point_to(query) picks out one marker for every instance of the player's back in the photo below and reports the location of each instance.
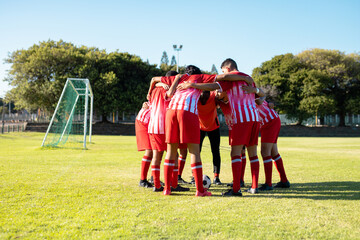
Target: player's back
(158, 111)
(266, 114)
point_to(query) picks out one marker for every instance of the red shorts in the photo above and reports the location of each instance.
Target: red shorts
(182, 146)
(270, 131)
(182, 127)
(142, 136)
(246, 133)
(157, 142)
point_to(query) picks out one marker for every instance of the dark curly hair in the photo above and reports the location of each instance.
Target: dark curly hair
(191, 69)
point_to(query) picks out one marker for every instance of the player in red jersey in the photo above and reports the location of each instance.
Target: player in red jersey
(270, 128)
(210, 126)
(143, 143)
(156, 131)
(182, 123)
(245, 129)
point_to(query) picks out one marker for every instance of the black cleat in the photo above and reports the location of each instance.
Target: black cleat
(229, 184)
(180, 189)
(152, 181)
(253, 190)
(265, 187)
(192, 180)
(145, 183)
(217, 181)
(282, 185)
(160, 189)
(180, 180)
(242, 184)
(231, 193)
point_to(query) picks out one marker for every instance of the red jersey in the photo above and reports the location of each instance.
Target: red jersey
(158, 111)
(208, 117)
(266, 114)
(143, 115)
(187, 99)
(242, 104)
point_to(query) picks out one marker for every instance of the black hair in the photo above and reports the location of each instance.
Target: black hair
(171, 73)
(191, 69)
(229, 63)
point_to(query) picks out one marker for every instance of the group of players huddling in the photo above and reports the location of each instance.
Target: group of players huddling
(179, 113)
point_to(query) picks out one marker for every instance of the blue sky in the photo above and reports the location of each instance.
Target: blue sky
(250, 32)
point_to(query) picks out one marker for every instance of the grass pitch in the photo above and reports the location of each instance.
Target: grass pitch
(67, 193)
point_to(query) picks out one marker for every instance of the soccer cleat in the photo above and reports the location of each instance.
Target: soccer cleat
(192, 180)
(166, 192)
(231, 193)
(217, 181)
(253, 190)
(242, 184)
(203, 194)
(152, 181)
(180, 189)
(145, 183)
(265, 187)
(229, 184)
(180, 180)
(282, 185)
(160, 189)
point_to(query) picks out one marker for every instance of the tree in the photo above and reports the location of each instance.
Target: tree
(333, 82)
(282, 79)
(173, 61)
(164, 59)
(214, 70)
(38, 74)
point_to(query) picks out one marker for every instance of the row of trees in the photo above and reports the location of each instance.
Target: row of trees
(314, 82)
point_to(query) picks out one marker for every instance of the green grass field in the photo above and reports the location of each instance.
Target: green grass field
(67, 193)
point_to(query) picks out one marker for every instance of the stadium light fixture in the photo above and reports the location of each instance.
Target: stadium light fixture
(177, 49)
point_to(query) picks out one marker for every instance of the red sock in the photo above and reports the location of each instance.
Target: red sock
(174, 179)
(280, 167)
(254, 164)
(168, 171)
(243, 164)
(155, 171)
(145, 164)
(181, 162)
(268, 170)
(236, 171)
(197, 173)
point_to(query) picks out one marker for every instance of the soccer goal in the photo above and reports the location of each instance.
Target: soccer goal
(72, 119)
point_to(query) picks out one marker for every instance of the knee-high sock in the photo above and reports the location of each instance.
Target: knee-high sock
(236, 171)
(254, 164)
(280, 167)
(145, 164)
(181, 162)
(174, 179)
(168, 171)
(155, 171)
(268, 170)
(198, 175)
(243, 165)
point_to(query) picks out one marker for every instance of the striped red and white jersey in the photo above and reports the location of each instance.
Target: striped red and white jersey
(266, 114)
(187, 99)
(242, 104)
(158, 111)
(144, 115)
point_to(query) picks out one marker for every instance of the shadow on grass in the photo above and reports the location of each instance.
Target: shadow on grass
(317, 191)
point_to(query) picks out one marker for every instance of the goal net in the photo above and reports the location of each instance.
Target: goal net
(71, 121)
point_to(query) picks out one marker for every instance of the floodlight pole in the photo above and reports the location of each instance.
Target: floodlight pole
(177, 49)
